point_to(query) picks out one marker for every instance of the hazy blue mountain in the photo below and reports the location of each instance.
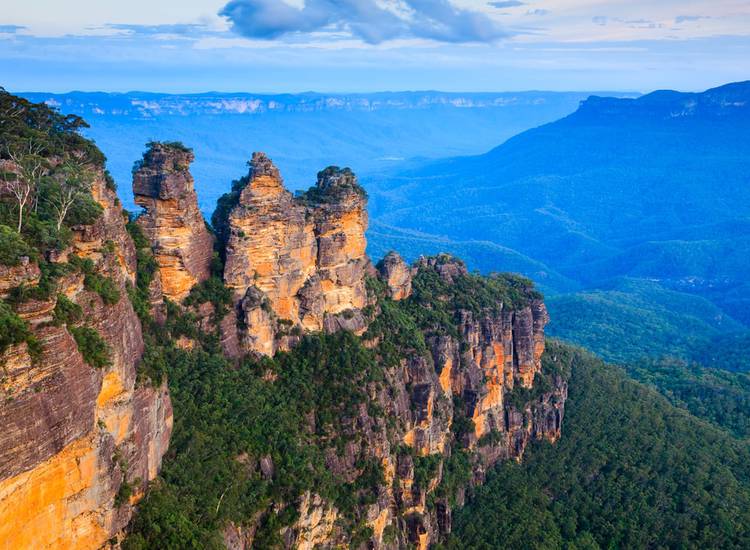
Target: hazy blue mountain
(654, 188)
(304, 133)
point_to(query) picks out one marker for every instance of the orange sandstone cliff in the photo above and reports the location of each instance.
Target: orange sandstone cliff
(183, 246)
(296, 261)
(79, 444)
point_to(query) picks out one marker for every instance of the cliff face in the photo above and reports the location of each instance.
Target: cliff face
(183, 247)
(75, 437)
(443, 415)
(296, 261)
(474, 394)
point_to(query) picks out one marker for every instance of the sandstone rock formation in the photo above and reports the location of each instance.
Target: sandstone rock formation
(397, 275)
(74, 436)
(296, 260)
(183, 246)
(471, 396)
(471, 375)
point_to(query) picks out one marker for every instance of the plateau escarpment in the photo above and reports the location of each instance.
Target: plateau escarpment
(81, 438)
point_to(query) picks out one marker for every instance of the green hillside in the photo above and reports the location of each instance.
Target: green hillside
(629, 319)
(631, 471)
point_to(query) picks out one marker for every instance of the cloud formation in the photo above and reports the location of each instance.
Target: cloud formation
(603, 21)
(689, 18)
(369, 20)
(184, 29)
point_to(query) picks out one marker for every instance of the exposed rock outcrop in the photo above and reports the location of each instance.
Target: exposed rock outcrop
(397, 275)
(183, 246)
(301, 258)
(74, 436)
(469, 375)
(473, 398)
(25, 273)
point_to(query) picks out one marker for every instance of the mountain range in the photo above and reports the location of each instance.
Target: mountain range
(655, 188)
(303, 132)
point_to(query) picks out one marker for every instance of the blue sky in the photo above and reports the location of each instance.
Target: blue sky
(369, 45)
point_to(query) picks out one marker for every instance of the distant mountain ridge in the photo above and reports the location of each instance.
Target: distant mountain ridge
(301, 132)
(728, 100)
(656, 188)
(148, 104)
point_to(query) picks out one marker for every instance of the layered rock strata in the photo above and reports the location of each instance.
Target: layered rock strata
(75, 437)
(296, 262)
(183, 246)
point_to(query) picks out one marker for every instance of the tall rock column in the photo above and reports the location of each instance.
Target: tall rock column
(295, 262)
(340, 213)
(183, 246)
(272, 246)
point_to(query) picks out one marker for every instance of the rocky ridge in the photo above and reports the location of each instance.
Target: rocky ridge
(471, 391)
(467, 396)
(466, 402)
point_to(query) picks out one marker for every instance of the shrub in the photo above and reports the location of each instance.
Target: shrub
(110, 181)
(94, 282)
(123, 494)
(103, 286)
(66, 312)
(211, 290)
(13, 330)
(92, 346)
(12, 247)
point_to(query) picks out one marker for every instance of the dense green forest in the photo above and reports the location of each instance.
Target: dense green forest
(716, 395)
(631, 471)
(629, 319)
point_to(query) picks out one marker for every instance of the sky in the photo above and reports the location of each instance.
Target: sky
(274, 46)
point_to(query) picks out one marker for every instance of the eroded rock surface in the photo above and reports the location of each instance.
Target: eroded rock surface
(304, 255)
(397, 275)
(183, 246)
(73, 434)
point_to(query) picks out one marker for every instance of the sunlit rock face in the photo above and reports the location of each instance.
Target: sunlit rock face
(73, 434)
(183, 246)
(305, 255)
(472, 375)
